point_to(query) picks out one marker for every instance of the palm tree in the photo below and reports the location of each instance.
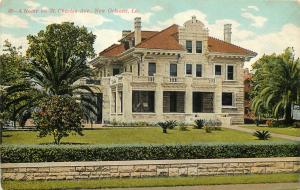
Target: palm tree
(277, 85)
(58, 75)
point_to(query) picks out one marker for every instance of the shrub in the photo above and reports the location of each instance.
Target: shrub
(199, 123)
(262, 135)
(182, 126)
(68, 153)
(58, 116)
(164, 126)
(171, 124)
(296, 124)
(208, 129)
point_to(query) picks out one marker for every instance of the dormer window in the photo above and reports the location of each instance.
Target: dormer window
(126, 45)
(189, 46)
(198, 46)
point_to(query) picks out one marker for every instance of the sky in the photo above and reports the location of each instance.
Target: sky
(263, 26)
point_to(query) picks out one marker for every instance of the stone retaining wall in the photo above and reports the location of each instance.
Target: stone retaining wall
(147, 168)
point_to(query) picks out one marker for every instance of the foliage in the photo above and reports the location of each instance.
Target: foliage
(212, 125)
(58, 116)
(77, 40)
(164, 126)
(67, 153)
(11, 64)
(182, 126)
(297, 124)
(276, 85)
(262, 135)
(199, 123)
(171, 124)
(114, 123)
(57, 61)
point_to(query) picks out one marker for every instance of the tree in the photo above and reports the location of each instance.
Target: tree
(11, 64)
(57, 60)
(77, 40)
(276, 84)
(58, 116)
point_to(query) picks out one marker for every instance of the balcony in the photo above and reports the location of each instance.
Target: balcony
(143, 79)
(173, 80)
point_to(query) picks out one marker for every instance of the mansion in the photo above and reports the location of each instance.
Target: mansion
(179, 73)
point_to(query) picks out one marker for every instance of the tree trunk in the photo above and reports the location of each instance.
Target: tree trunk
(288, 114)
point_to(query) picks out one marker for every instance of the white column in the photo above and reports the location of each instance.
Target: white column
(127, 97)
(158, 97)
(188, 96)
(218, 95)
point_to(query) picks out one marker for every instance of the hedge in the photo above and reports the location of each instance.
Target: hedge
(60, 153)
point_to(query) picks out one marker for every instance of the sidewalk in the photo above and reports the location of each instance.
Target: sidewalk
(235, 127)
(268, 186)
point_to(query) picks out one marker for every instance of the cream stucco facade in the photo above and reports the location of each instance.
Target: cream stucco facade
(193, 89)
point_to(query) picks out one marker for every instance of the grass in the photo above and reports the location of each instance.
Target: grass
(280, 130)
(136, 136)
(150, 182)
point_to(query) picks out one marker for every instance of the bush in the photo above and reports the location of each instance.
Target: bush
(269, 123)
(212, 125)
(296, 124)
(199, 123)
(262, 135)
(182, 126)
(58, 116)
(171, 124)
(68, 153)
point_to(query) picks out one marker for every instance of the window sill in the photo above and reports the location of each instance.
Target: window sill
(229, 107)
(230, 80)
(142, 113)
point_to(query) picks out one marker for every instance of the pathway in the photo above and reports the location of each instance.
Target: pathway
(235, 127)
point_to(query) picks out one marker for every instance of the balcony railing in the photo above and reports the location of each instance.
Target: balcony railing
(173, 80)
(204, 80)
(143, 79)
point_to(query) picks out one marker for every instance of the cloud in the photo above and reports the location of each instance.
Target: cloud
(182, 17)
(32, 4)
(86, 19)
(105, 38)
(157, 8)
(12, 21)
(130, 16)
(253, 7)
(276, 42)
(16, 41)
(258, 21)
(217, 30)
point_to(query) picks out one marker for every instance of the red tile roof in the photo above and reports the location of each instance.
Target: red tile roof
(113, 50)
(216, 45)
(168, 39)
(145, 34)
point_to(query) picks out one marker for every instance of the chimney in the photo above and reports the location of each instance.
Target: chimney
(227, 33)
(137, 30)
(125, 33)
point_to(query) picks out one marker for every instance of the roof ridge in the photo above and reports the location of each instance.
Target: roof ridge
(110, 47)
(232, 44)
(141, 31)
(156, 34)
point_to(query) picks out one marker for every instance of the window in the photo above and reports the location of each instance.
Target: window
(121, 101)
(230, 69)
(131, 68)
(198, 46)
(198, 70)
(189, 46)
(151, 69)
(188, 69)
(173, 70)
(218, 70)
(116, 71)
(143, 101)
(227, 99)
(173, 101)
(139, 68)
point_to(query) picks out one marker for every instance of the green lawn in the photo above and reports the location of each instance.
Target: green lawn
(150, 182)
(136, 136)
(284, 130)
